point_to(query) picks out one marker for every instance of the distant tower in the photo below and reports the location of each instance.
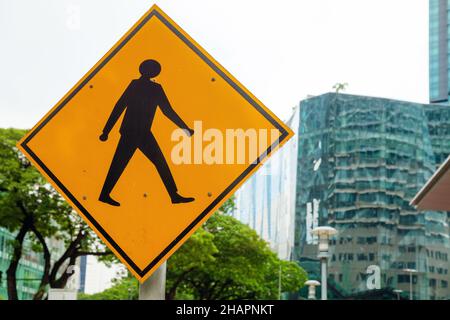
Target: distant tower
(439, 59)
(83, 267)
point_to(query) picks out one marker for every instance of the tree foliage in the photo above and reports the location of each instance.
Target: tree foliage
(122, 289)
(224, 259)
(242, 266)
(34, 211)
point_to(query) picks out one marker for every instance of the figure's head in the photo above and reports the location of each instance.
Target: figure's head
(150, 68)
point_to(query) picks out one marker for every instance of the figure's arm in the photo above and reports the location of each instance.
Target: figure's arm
(115, 114)
(168, 111)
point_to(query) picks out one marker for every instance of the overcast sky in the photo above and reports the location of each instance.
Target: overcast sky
(280, 50)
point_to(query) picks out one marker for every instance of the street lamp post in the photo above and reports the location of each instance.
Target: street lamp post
(410, 271)
(398, 292)
(312, 284)
(324, 234)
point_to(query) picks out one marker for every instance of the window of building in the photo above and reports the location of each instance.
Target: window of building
(432, 283)
(361, 257)
(411, 265)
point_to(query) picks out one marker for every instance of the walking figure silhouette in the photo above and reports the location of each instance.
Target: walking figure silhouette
(140, 99)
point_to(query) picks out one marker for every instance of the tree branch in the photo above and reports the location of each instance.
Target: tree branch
(89, 253)
(70, 251)
(62, 280)
(47, 261)
(17, 254)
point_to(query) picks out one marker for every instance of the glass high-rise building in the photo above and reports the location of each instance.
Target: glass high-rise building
(358, 161)
(438, 114)
(30, 268)
(375, 155)
(266, 202)
(31, 264)
(438, 51)
(439, 34)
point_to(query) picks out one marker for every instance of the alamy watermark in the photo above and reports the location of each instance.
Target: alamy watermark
(373, 281)
(230, 146)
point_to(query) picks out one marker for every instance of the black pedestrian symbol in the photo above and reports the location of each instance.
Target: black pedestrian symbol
(140, 99)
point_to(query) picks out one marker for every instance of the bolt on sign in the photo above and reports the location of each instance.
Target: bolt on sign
(151, 141)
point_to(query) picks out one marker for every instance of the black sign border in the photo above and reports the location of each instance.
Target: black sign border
(154, 13)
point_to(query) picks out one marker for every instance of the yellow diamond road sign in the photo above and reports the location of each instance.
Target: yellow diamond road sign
(140, 146)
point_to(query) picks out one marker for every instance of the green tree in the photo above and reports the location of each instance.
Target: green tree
(122, 289)
(33, 210)
(224, 259)
(197, 253)
(244, 266)
(340, 86)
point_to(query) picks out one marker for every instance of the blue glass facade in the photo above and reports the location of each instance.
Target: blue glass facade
(358, 163)
(30, 268)
(266, 202)
(439, 32)
(375, 155)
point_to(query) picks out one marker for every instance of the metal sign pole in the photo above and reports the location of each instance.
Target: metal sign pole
(410, 286)
(154, 288)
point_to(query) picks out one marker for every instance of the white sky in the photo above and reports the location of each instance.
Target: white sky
(280, 50)
(99, 276)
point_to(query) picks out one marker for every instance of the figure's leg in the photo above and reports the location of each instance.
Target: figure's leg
(122, 156)
(152, 151)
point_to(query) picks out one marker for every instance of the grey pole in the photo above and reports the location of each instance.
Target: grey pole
(154, 288)
(324, 234)
(410, 271)
(323, 265)
(410, 286)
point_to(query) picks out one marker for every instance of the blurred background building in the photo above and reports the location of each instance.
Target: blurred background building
(356, 162)
(375, 156)
(31, 265)
(438, 47)
(266, 202)
(91, 276)
(30, 268)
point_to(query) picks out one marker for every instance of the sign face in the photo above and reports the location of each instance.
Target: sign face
(151, 141)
